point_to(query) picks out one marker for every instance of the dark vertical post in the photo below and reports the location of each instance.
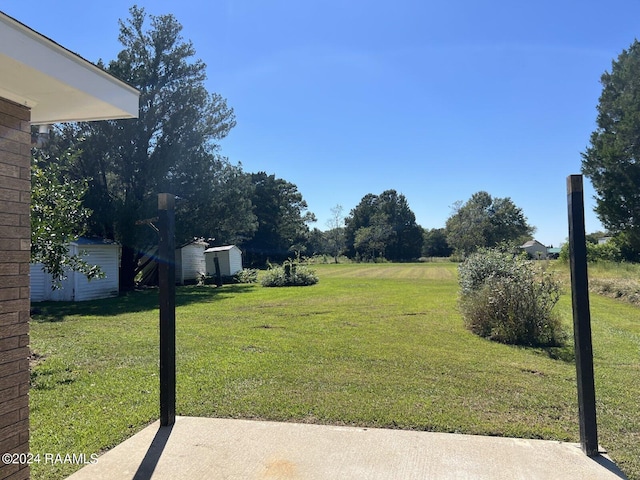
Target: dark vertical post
(216, 264)
(167, 284)
(581, 317)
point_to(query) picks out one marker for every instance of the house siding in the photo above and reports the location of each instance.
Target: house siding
(15, 235)
(535, 250)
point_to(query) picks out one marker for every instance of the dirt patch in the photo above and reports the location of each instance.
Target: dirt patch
(35, 359)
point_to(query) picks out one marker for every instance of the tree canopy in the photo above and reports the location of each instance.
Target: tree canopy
(383, 226)
(282, 219)
(435, 243)
(484, 221)
(612, 160)
(170, 148)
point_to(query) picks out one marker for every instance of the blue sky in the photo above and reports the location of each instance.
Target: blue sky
(437, 100)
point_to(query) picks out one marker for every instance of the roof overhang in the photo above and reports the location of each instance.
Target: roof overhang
(56, 84)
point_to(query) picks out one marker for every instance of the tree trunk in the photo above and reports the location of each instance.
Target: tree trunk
(127, 269)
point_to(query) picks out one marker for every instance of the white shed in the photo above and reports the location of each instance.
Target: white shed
(229, 258)
(190, 263)
(535, 249)
(76, 287)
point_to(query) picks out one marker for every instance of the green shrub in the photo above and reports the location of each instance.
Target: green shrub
(290, 274)
(596, 252)
(510, 300)
(246, 275)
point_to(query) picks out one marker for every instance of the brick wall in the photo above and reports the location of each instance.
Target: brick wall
(15, 186)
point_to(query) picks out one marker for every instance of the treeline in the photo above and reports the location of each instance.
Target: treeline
(384, 227)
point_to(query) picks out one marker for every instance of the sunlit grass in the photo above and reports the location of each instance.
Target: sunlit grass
(377, 345)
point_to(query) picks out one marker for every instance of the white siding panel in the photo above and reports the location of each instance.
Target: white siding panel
(193, 262)
(39, 282)
(178, 265)
(107, 258)
(225, 267)
(229, 258)
(41, 285)
(76, 286)
(235, 261)
(209, 265)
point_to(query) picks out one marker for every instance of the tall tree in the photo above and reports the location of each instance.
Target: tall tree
(406, 242)
(169, 148)
(217, 205)
(372, 241)
(317, 243)
(282, 218)
(484, 221)
(435, 243)
(390, 227)
(334, 236)
(359, 217)
(612, 161)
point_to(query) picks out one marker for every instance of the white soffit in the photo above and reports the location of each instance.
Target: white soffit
(56, 84)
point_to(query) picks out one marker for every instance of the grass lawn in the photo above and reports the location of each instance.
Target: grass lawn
(378, 345)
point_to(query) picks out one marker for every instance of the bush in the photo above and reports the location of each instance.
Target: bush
(596, 252)
(246, 275)
(290, 274)
(510, 300)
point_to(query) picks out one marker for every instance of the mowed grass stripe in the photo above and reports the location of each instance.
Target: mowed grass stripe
(419, 271)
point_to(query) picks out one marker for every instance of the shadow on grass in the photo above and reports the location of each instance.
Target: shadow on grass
(564, 353)
(132, 302)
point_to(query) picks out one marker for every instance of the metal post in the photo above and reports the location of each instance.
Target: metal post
(581, 317)
(167, 284)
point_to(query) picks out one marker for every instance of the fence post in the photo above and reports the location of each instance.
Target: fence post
(581, 317)
(167, 288)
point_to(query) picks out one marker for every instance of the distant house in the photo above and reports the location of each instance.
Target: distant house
(229, 258)
(76, 287)
(190, 262)
(553, 252)
(535, 249)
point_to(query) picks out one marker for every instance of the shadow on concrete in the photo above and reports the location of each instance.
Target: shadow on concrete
(609, 465)
(152, 457)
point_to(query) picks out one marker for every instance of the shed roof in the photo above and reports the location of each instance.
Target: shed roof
(224, 248)
(55, 83)
(93, 241)
(195, 241)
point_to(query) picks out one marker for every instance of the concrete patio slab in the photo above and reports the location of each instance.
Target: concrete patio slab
(210, 448)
